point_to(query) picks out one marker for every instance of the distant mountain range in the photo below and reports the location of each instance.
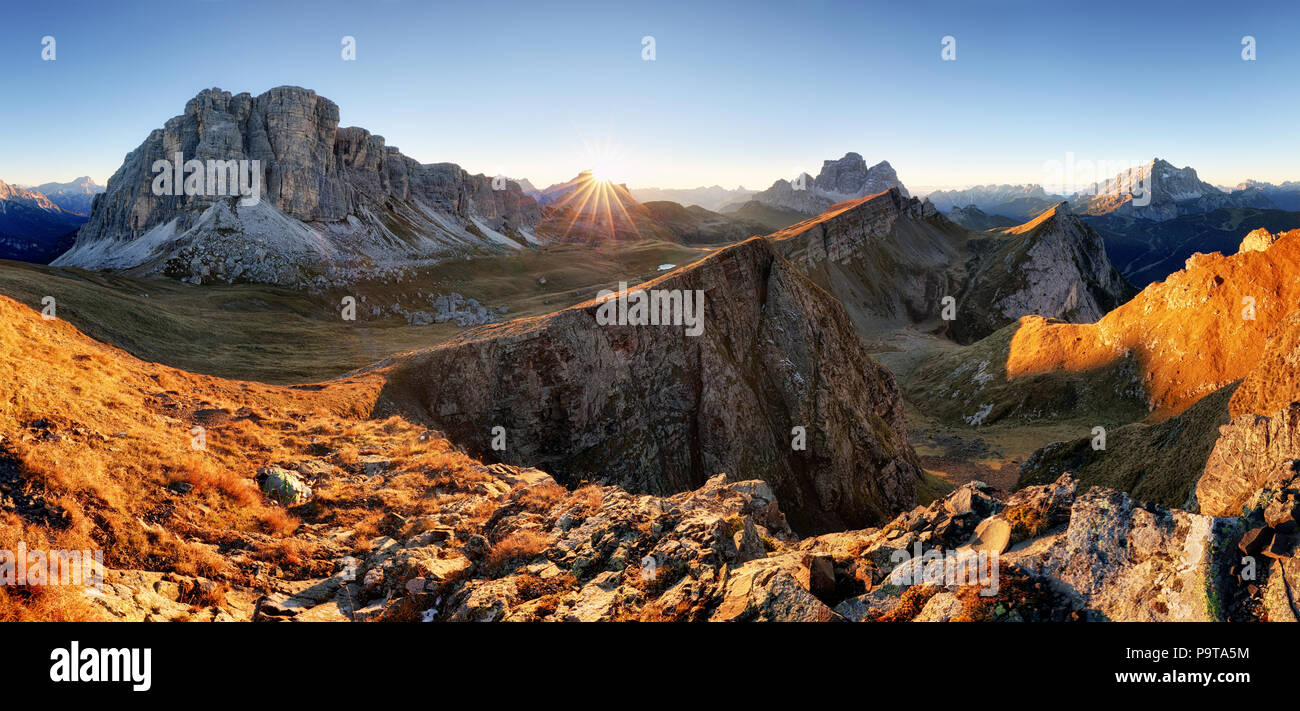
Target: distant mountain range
(1020, 202)
(1173, 192)
(77, 196)
(1147, 251)
(973, 218)
(361, 207)
(33, 228)
(711, 198)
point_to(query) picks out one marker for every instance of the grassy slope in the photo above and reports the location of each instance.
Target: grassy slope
(277, 335)
(1158, 462)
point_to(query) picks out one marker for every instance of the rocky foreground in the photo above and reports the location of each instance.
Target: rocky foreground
(725, 553)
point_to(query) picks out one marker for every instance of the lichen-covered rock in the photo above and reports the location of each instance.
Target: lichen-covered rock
(1136, 563)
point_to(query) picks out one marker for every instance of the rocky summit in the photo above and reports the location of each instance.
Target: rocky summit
(1159, 191)
(847, 178)
(1054, 265)
(333, 201)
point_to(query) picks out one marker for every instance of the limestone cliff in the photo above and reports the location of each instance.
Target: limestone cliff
(333, 199)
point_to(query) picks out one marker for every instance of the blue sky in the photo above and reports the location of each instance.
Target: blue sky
(738, 92)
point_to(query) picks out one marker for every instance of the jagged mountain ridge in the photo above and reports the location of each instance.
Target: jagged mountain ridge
(1172, 192)
(892, 260)
(1054, 265)
(1173, 344)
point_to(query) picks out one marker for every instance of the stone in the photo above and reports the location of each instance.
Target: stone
(992, 535)
(283, 486)
(476, 547)
(374, 464)
(941, 607)
(1283, 544)
(1279, 512)
(1134, 563)
(749, 544)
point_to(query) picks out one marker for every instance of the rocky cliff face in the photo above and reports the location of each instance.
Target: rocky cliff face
(848, 178)
(888, 258)
(1054, 265)
(655, 410)
(1188, 336)
(1261, 444)
(345, 197)
(1169, 347)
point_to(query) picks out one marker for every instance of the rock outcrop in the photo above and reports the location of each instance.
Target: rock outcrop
(1185, 338)
(1054, 266)
(1261, 443)
(343, 198)
(1258, 240)
(775, 384)
(724, 553)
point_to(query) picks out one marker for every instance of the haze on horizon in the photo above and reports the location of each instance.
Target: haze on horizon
(737, 93)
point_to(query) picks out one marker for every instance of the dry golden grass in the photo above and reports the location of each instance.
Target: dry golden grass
(516, 548)
(589, 496)
(542, 498)
(102, 436)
